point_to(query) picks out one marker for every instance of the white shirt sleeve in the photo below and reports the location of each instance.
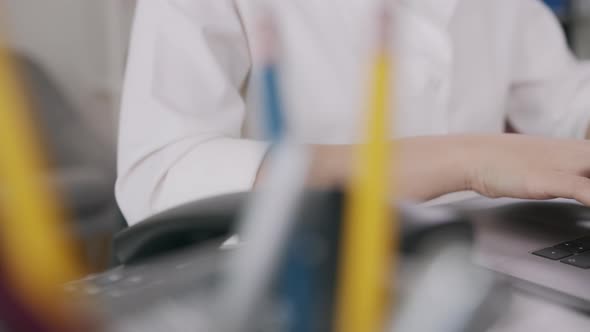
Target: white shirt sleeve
(550, 91)
(182, 110)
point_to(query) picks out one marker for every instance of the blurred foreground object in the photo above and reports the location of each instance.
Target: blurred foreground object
(368, 250)
(175, 269)
(446, 292)
(36, 254)
(270, 216)
(81, 167)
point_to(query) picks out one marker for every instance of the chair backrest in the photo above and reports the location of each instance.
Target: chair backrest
(69, 140)
(82, 167)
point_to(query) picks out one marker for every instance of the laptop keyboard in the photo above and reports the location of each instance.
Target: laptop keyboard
(575, 253)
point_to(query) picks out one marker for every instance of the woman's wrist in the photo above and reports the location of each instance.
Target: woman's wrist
(432, 166)
(463, 159)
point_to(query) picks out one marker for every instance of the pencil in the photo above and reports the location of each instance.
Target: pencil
(273, 113)
(368, 235)
(268, 220)
(36, 254)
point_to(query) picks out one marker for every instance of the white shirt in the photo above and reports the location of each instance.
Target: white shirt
(189, 122)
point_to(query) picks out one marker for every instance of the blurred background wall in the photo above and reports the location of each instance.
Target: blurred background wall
(82, 44)
(581, 23)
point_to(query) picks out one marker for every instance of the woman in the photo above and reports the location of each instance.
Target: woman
(190, 107)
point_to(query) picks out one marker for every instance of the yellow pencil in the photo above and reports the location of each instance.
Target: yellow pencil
(368, 235)
(34, 248)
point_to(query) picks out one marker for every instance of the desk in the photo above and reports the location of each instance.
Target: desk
(166, 297)
(527, 314)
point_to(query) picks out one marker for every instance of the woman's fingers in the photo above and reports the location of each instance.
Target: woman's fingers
(554, 184)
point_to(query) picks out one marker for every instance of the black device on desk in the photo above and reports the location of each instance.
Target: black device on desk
(172, 262)
(185, 226)
(216, 218)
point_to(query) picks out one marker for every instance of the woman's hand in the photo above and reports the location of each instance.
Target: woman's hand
(495, 166)
(529, 167)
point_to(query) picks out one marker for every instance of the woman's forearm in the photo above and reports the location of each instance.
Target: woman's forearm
(424, 168)
(493, 165)
(429, 167)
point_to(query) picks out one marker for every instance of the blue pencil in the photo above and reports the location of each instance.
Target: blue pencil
(296, 277)
(275, 124)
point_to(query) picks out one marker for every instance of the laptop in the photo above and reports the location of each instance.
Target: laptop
(541, 247)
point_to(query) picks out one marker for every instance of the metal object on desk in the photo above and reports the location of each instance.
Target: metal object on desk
(525, 241)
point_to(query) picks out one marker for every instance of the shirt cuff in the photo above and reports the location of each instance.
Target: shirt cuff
(216, 167)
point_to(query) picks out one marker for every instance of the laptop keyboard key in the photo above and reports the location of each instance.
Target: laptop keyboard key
(584, 241)
(574, 247)
(581, 260)
(553, 253)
